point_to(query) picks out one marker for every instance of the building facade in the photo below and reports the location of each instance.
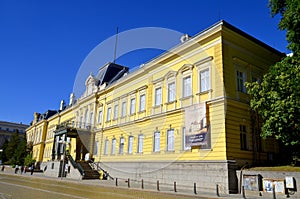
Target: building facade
(183, 116)
(7, 129)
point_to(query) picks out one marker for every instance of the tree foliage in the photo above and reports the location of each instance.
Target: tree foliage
(277, 101)
(15, 151)
(277, 98)
(290, 20)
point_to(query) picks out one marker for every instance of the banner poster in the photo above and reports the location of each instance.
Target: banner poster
(250, 182)
(196, 125)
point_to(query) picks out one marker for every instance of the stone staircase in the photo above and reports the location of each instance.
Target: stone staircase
(89, 173)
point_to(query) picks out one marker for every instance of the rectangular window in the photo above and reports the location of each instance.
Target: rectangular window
(187, 86)
(184, 146)
(171, 92)
(170, 140)
(140, 143)
(130, 144)
(113, 146)
(158, 96)
(240, 78)
(123, 113)
(106, 142)
(156, 146)
(142, 102)
(243, 137)
(121, 147)
(204, 80)
(108, 114)
(91, 119)
(100, 115)
(116, 112)
(132, 106)
(95, 152)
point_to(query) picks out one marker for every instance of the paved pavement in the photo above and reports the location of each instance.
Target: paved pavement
(121, 191)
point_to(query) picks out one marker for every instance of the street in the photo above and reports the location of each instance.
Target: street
(26, 186)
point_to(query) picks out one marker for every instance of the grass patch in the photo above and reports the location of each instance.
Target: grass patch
(277, 168)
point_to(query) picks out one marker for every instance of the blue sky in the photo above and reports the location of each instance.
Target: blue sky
(43, 43)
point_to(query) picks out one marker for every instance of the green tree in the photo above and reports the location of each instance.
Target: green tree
(277, 101)
(3, 154)
(20, 152)
(28, 161)
(277, 97)
(12, 146)
(290, 20)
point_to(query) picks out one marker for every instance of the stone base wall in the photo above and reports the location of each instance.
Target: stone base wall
(206, 174)
(53, 170)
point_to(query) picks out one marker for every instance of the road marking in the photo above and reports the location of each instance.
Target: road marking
(64, 194)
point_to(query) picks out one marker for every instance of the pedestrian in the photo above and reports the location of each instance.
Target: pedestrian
(66, 169)
(2, 169)
(32, 169)
(22, 169)
(16, 168)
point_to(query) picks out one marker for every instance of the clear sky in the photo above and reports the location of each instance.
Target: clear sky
(43, 43)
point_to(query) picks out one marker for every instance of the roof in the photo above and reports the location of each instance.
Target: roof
(111, 72)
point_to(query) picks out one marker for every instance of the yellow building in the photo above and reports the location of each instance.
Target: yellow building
(183, 116)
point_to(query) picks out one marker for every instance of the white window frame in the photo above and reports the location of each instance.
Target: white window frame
(100, 117)
(108, 114)
(130, 144)
(184, 147)
(121, 145)
(187, 86)
(204, 76)
(142, 102)
(95, 152)
(171, 92)
(158, 96)
(140, 143)
(156, 141)
(113, 146)
(132, 106)
(91, 118)
(240, 80)
(124, 109)
(170, 140)
(116, 111)
(106, 145)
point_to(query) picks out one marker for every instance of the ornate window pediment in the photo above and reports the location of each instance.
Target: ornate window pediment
(186, 67)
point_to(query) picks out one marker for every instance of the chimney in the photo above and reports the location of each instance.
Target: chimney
(72, 99)
(36, 117)
(62, 105)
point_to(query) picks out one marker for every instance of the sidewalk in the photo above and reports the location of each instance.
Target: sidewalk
(152, 187)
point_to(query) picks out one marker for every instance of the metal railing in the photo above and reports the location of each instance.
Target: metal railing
(79, 125)
(96, 166)
(76, 165)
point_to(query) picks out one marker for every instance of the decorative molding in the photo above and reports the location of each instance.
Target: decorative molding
(185, 67)
(202, 61)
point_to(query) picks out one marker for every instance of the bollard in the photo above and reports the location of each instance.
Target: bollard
(142, 184)
(243, 192)
(116, 182)
(175, 190)
(217, 190)
(157, 183)
(128, 182)
(274, 194)
(195, 188)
